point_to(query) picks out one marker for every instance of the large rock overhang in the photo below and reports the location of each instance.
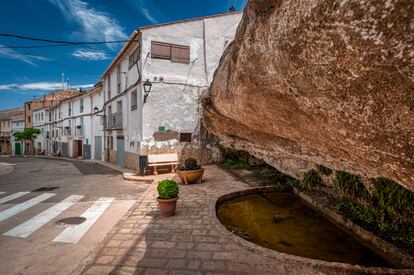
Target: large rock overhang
(326, 82)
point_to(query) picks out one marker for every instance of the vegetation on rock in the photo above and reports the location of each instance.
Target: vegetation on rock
(391, 196)
(235, 164)
(351, 185)
(312, 179)
(234, 159)
(379, 221)
(324, 170)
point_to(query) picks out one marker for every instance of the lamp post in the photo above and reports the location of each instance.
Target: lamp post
(147, 89)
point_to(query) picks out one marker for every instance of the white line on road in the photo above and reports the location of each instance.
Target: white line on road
(5, 214)
(92, 214)
(12, 197)
(1, 193)
(25, 229)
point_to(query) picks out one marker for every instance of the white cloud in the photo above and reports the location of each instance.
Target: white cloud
(96, 25)
(27, 58)
(83, 86)
(44, 86)
(7, 86)
(90, 54)
(41, 86)
(144, 10)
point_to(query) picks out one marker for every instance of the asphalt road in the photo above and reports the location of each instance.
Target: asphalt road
(35, 193)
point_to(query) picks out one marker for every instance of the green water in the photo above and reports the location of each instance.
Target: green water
(283, 222)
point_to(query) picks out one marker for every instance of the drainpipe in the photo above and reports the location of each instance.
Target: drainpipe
(104, 117)
(92, 141)
(205, 50)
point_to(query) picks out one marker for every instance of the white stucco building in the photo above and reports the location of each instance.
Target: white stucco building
(179, 60)
(40, 117)
(76, 129)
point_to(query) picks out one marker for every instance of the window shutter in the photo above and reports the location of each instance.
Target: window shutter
(160, 50)
(180, 54)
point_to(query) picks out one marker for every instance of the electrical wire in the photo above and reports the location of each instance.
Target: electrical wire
(62, 41)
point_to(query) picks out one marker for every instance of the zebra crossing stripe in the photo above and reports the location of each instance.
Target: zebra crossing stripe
(5, 214)
(92, 214)
(25, 229)
(1, 193)
(12, 197)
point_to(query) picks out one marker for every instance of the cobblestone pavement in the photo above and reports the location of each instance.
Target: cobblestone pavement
(144, 242)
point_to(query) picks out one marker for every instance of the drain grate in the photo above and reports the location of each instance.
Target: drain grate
(43, 189)
(70, 221)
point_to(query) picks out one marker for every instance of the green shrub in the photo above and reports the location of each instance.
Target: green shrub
(269, 173)
(351, 184)
(324, 170)
(277, 177)
(167, 189)
(379, 221)
(191, 164)
(235, 164)
(390, 195)
(233, 154)
(312, 179)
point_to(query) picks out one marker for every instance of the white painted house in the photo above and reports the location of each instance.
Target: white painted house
(76, 128)
(178, 59)
(40, 116)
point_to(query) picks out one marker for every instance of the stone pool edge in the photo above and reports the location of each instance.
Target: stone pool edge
(386, 247)
(313, 264)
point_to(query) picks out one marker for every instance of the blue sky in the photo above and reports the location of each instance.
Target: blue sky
(29, 73)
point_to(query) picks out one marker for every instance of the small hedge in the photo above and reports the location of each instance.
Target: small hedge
(351, 185)
(167, 189)
(312, 179)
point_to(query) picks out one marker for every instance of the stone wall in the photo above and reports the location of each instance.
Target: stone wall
(131, 161)
(112, 156)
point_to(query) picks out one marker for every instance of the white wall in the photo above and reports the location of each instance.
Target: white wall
(174, 101)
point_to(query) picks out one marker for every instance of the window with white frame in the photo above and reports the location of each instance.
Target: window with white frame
(118, 79)
(134, 99)
(81, 105)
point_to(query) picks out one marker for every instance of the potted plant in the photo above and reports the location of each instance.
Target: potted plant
(167, 197)
(190, 172)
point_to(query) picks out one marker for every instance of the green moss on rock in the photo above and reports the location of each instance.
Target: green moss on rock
(312, 179)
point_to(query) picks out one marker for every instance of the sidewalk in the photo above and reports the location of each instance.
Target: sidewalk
(144, 242)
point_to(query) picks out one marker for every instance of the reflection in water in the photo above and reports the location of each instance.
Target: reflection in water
(283, 222)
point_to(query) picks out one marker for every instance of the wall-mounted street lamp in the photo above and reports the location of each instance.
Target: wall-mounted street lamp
(95, 111)
(147, 89)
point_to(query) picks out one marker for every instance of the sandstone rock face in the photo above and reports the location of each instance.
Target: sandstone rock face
(323, 81)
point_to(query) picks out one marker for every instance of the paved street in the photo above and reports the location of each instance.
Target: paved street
(35, 193)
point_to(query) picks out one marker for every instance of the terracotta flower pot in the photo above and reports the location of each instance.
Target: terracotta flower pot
(167, 206)
(191, 176)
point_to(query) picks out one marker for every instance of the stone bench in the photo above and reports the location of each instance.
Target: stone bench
(162, 160)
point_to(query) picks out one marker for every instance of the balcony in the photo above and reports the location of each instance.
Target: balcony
(79, 131)
(114, 121)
